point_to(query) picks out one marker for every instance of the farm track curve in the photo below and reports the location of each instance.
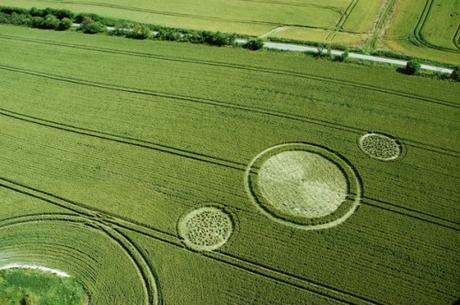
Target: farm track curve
(211, 102)
(418, 31)
(456, 38)
(238, 67)
(152, 290)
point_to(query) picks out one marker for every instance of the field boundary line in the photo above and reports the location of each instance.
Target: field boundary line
(239, 67)
(203, 101)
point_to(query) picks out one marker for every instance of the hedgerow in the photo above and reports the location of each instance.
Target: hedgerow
(48, 18)
(90, 26)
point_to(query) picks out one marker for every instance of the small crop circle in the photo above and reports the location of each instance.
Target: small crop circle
(380, 146)
(303, 185)
(205, 229)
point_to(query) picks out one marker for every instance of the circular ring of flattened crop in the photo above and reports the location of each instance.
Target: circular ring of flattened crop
(303, 185)
(205, 229)
(381, 147)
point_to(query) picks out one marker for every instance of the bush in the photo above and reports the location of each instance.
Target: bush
(49, 22)
(36, 22)
(11, 10)
(103, 20)
(138, 32)
(217, 39)
(254, 44)
(412, 67)
(61, 14)
(169, 35)
(18, 19)
(89, 26)
(320, 50)
(80, 18)
(36, 12)
(456, 74)
(344, 56)
(64, 24)
(4, 18)
(193, 37)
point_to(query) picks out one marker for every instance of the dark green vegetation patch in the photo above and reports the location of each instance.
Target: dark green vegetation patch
(33, 287)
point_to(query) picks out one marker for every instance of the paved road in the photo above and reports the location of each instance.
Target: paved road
(303, 48)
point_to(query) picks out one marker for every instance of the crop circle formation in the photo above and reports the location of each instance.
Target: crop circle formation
(303, 185)
(205, 229)
(380, 146)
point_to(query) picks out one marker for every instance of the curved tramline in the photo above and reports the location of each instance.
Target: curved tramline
(88, 250)
(418, 36)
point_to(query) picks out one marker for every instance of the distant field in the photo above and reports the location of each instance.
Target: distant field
(427, 29)
(109, 146)
(299, 19)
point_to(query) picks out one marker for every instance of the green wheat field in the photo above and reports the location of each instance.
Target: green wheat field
(168, 173)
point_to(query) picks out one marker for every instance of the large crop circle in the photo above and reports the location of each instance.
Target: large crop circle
(303, 185)
(205, 229)
(380, 146)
